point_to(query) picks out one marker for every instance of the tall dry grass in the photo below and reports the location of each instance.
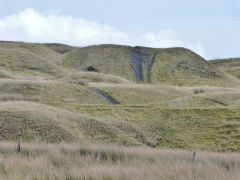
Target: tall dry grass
(76, 161)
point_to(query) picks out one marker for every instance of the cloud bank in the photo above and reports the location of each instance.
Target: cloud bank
(32, 26)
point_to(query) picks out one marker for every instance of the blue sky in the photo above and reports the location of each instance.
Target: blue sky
(208, 27)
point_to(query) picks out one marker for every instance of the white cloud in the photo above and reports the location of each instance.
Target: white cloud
(166, 38)
(32, 26)
(169, 38)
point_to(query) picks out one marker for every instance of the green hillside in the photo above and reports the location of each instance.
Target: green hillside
(231, 66)
(141, 64)
(165, 97)
(29, 58)
(107, 59)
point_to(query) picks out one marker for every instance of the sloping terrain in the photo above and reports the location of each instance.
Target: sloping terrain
(126, 95)
(29, 58)
(231, 66)
(141, 64)
(107, 59)
(59, 48)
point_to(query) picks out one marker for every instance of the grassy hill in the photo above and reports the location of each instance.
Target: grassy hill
(29, 58)
(141, 64)
(169, 98)
(231, 66)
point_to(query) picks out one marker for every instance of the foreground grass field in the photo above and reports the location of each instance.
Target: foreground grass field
(79, 162)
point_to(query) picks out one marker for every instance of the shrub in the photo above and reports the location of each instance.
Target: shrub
(197, 91)
(85, 152)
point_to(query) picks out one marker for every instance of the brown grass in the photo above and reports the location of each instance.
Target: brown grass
(78, 161)
(18, 97)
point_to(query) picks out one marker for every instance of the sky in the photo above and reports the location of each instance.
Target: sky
(211, 28)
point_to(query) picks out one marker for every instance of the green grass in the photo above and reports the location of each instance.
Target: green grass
(182, 66)
(59, 48)
(142, 94)
(205, 129)
(108, 59)
(26, 126)
(49, 92)
(44, 96)
(172, 96)
(30, 59)
(94, 77)
(174, 65)
(213, 129)
(231, 66)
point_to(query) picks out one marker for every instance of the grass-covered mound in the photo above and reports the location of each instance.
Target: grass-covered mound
(231, 66)
(30, 126)
(169, 98)
(173, 65)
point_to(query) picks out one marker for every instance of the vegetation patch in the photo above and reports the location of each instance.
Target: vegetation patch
(27, 127)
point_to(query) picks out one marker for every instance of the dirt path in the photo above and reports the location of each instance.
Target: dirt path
(104, 96)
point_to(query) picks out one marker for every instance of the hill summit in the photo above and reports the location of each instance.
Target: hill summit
(142, 64)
